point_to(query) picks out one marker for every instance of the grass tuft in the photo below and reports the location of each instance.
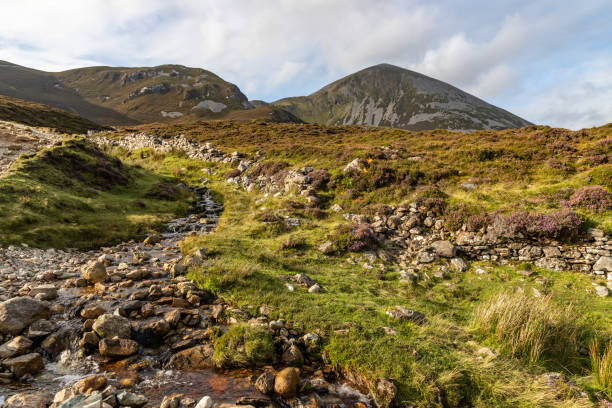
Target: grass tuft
(243, 346)
(601, 365)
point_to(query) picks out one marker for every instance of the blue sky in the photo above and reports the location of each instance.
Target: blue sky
(547, 61)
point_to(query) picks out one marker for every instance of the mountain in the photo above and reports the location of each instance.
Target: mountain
(386, 95)
(36, 114)
(123, 96)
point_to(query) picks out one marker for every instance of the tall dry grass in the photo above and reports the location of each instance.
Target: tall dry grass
(601, 365)
(533, 329)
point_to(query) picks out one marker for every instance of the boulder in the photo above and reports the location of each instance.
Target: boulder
(353, 167)
(326, 248)
(603, 264)
(403, 313)
(26, 400)
(27, 364)
(286, 382)
(194, 358)
(130, 399)
(384, 392)
(109, 326)
(19, 345)
(459, 265)
(117, 347)
(44, 292)
(444, 249)
(19, 312)
(265, 383)
(94, 271)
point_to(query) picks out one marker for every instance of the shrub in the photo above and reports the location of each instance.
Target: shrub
(432, 198)
(562, 224)
(353, 238)
(243, 346)
(601, 365)
(320, 178)
(473, 217)
(535, 330)
(594, 198)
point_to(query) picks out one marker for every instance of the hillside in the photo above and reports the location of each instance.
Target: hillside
(386, 95)
(114, 95)
(35, 114)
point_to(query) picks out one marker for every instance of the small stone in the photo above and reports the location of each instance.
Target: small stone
(444, 249)
(19, 345)
(131, 399)
(314, 288)
(602, 291)
(205, 402)
(92, 312)
(117, 347)
(109, 326)
(459, 265)
(26, 364)
(26, 400)
(293, 356)
(44, 292)
(327, 247)
(94, 272)
(96, 382)
(403, 313)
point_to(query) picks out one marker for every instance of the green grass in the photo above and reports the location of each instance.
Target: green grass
(601, 365)
(243, 346)
(73, 195)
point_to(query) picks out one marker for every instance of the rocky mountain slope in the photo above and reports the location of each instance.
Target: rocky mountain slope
(386, 95)
(115, 95)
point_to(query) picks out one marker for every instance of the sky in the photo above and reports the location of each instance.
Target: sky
(549, 62)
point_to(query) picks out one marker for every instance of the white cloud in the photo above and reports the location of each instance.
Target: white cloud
(277, 48)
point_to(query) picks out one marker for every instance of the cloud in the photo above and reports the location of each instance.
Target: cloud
(275, 48)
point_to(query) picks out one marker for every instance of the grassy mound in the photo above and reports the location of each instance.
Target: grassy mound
(243, 346)
(74, 195)
(36, 114)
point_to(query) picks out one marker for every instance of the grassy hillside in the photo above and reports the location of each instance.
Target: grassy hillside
(456, 359)
(385, 95)
(73, 195)
(35, 114)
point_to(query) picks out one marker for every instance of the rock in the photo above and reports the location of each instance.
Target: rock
(336, 208)
(403, 313)
(96, 382)
(94, 271)
(354, 166)
(286, 382)
(117, 347)
(44, 292)
(19, 312)
(316, 288)
(130, 399)
(459, 265)
(152, 239)
(444, 249)
(26, 400)
(326, 248)
(26, 364)
(425, 257)
(265, 383)
(178, 270)
(602, 291)
(19, 345)
(93, 400)
(92, 312)
(151, 334)
(58, 341)
(303, 279)
(89, 340)
(384, 393)
(62, 395)
(603, 264)
(109, 326)
(173, 317)
(205, 402)
(194, 358)
(293, 356)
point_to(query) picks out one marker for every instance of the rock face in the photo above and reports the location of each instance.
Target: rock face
(286, 382)
(386, 95)
(18, 313)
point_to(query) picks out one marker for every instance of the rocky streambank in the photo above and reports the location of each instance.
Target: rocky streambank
(122, 326)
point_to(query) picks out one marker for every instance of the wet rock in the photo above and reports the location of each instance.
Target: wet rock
(92, 312)
(19, 345)
(265, 383)
(96, 382)
(117, 347)
(109, 326)
(94, 271)
(93, 400)
(19, 312)
(403, 313)
(130, 399)
(444, 249)
(58, 341)
(26, 400)
(151, 334)
(205, 402)
(44, 292)
(286, 382)
(173, 317)
(293, 356)
(194, 358)
(89, 340)
(27, 364)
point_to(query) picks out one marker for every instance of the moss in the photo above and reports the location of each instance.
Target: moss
(243, 346)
